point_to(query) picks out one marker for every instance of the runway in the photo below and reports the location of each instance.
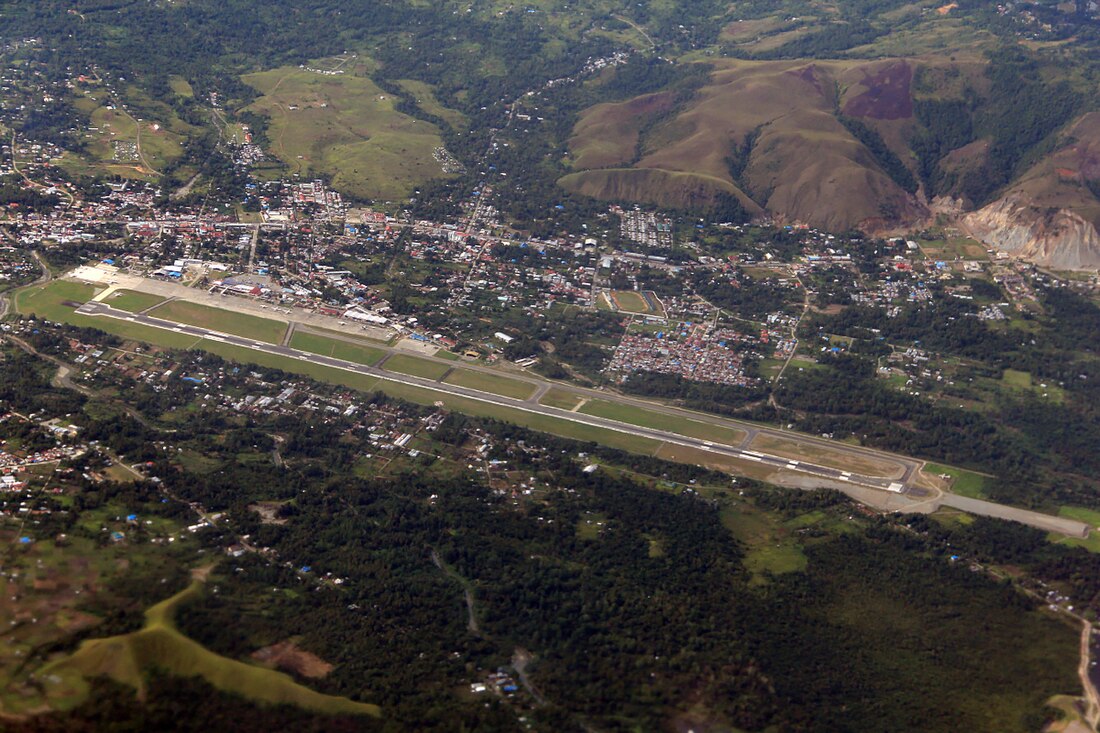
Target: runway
(897, 486)
(885, 484)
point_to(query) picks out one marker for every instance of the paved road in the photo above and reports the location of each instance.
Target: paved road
(886, 486)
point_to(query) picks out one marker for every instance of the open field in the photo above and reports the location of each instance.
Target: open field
(217, 319)
(337, 348)
(158, 644)
(823, 455)
(963, 482)
(48, 301)
(660, 421)
(770, 546)
(347, 127)
(561, 399)
(112, 142)
(1022, 381)
(132, 300)
(416, 367)
(491, 383)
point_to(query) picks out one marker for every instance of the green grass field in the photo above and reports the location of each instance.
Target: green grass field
(47, 301)
(769, 545)
(1022, 381)
(415, 366)
(336, 348)
(561, 399)
(132, 300)
(111, 131)
(348, 127)
(660, 421)
(491, 383)
(217, 319)
(127, 658)
(963, 482)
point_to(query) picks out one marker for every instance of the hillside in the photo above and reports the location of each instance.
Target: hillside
(1051, 214)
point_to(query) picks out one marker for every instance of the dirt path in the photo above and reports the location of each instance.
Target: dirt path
(794, 336)
(137, 141)
(521, 659)
(471, 622)
(635, 26)
(1091, 697)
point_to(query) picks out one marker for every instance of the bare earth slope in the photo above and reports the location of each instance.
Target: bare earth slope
(1050, 216)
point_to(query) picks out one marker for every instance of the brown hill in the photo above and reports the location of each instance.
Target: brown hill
(798, 162)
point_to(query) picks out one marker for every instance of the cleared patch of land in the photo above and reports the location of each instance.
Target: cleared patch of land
(771, 547)
(824, 456)
(218, 319)
(1022, 381)
(127, 658)
(491, 383)
(347, 127)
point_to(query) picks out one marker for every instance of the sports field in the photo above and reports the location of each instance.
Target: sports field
(630, 301)
(218, 319)
(491, 383)
(347, 127)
